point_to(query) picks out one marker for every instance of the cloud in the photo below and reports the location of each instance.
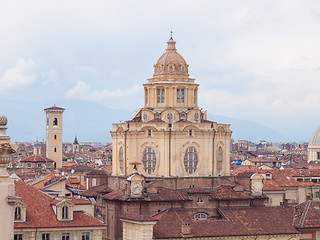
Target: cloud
(23, 74)
(52, 78)
(111, 98)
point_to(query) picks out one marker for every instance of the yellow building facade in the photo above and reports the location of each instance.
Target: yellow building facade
(171, 136)
(54, 132)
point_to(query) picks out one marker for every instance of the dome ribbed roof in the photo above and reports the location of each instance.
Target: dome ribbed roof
(315, 138)
(171, 62)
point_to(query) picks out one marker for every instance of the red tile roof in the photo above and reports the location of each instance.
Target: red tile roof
(306, 215)
(40, 213)
(54, 108)
(37, 158)
(235, 222)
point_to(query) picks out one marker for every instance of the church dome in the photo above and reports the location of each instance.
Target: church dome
(315, 138)
(3, 120)
(171, 62)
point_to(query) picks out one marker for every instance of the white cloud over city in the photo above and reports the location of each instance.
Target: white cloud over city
(257, 60)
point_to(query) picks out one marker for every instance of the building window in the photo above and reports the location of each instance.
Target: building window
(65, 212)
(18, 237)
(29, 165)
(191, 160)
(268, 176)
(55, 137)
(55, 121)
(219, 163)
(160, 95)
(317, 194)
(55, 149)
(318, 155)
(149, 132)
(171, 68)
(17, 213)
(121, 159)
(190, 132)
(39, 165)
(47, 121)
(45, 236)
(200, 200)
(180, 95)
(149, 160)
(200, 216)
(65, 236)
(182, 69)
(146, 92)
(85, 236)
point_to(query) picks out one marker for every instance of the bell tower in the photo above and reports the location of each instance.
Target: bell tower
(54, 134)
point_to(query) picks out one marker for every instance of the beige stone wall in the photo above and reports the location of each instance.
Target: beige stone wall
(54, 137)
(6, 210)
(275, 198)
(255, 237)
(133, 230)
(170, 146)
(96, 233)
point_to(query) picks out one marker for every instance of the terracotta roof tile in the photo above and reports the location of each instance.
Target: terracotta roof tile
(40, 213)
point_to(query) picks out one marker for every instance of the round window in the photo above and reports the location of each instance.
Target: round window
(169, 116)
(145, 117)
(196, 116)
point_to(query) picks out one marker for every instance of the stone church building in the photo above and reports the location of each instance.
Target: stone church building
(171, 171)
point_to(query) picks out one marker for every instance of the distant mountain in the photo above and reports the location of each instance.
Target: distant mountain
(93, 122)
(249, 130)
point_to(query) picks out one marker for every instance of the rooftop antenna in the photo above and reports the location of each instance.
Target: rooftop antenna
(171, 35)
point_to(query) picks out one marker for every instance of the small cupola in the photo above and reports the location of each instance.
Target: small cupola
(171, 63)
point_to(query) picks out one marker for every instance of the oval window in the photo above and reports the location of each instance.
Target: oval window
(149, 160)
(191, 160)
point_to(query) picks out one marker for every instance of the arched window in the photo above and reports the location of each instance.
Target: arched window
(200, 216)
(219, 162)
(149, 160)
(17, 213)
(55, 121)
(65, 212)
(121, 159)
(191, 160)
(146, 96)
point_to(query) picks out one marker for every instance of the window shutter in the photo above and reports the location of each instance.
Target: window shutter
(25, 237)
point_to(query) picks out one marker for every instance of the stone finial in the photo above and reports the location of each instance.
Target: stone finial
(3, 120)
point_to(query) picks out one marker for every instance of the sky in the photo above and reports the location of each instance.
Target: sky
(254, 60)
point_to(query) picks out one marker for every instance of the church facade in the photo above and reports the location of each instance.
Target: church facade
(171, 136)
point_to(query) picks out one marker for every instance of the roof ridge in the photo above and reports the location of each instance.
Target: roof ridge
(241, 222)
(304, 214)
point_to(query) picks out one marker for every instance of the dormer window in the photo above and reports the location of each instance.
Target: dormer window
(268, 176)
(200, 216)
(65, 212)
(20, 211)
(200, 200)
(17, 213)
